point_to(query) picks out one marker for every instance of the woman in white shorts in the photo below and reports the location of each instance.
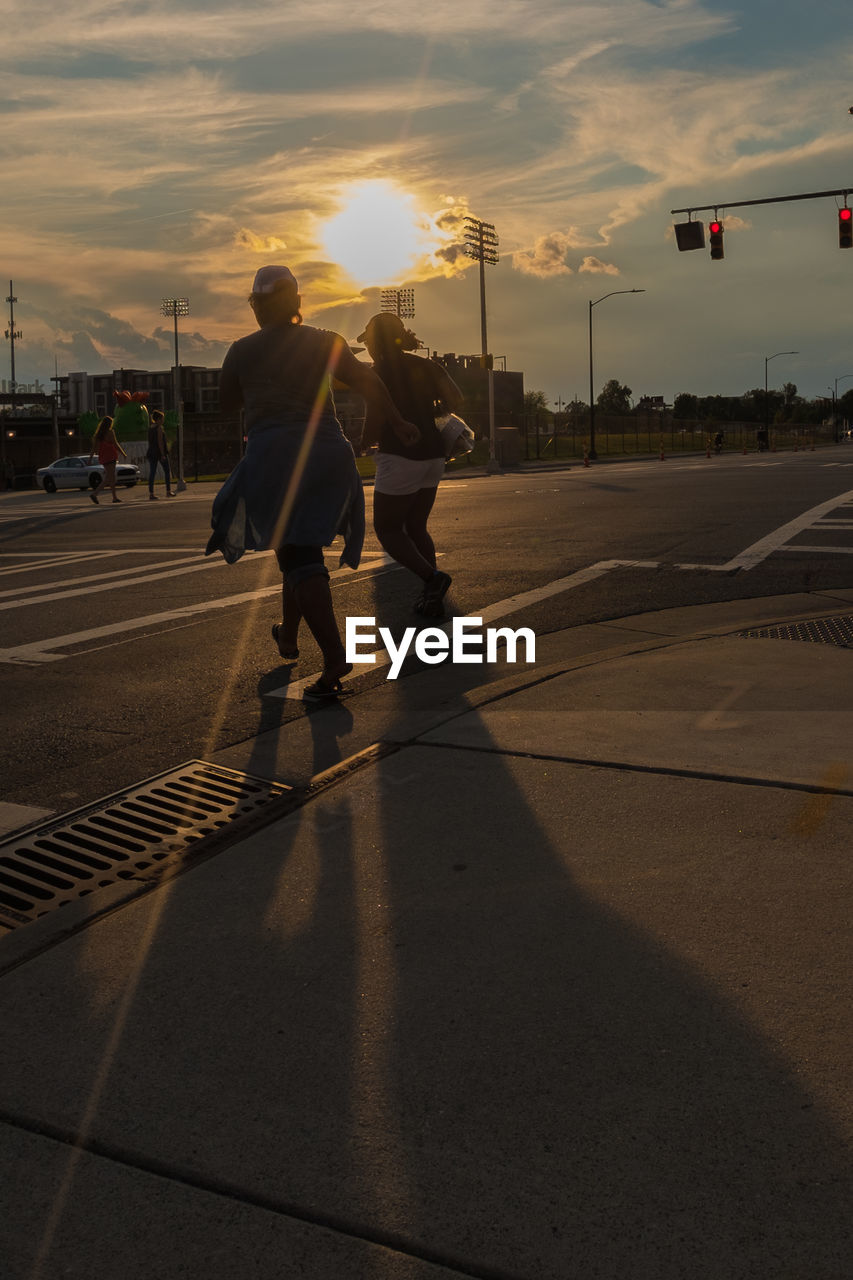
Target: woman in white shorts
(407, 476)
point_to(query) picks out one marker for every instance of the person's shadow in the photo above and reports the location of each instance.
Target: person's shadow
(439, 1012)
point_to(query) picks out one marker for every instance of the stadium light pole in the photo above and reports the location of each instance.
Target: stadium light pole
(767, 360)
(481, 244)
(11, 333)
(177, 307)
(400, 301)
(592, 453)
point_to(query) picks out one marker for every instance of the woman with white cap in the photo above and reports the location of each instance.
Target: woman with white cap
(408, 473)
(297, 486)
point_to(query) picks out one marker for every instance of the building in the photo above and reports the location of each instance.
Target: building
(473, 381)
(94, 392)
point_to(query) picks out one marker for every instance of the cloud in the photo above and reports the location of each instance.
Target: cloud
(732, 222)
(547, 257)
(154, 31)
(247, 239)
(167, 148)
(595, 267)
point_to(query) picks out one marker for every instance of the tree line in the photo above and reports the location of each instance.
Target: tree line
(784, 405)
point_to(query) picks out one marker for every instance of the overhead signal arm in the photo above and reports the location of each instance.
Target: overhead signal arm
(691, 234)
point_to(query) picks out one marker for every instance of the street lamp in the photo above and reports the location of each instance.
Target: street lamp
(177, 307)
(592, 453)
(767, 360)
(835, 404)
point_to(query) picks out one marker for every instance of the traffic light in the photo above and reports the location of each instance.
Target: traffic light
(715, 231)
(689, 235)
(845, 228)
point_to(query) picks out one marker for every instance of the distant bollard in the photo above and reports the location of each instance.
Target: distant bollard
(508, 447)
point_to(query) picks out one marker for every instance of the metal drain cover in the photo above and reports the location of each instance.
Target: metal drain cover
(122, 837)
(837, 631)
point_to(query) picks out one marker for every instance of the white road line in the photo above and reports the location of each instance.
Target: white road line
(127, 582)
(44, 650)
(53, 561)
(48, 555)
(747, 559)
(776, 540)
(59, 590)
(80, 506)
(803, 546)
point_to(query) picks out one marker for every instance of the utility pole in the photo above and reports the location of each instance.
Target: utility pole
(56, 398)
(481, 244)
(177, 307)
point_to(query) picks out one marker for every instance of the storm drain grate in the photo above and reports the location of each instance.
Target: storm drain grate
(123, 837)
(838, 631)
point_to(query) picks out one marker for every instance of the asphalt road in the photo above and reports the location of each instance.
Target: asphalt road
(124, 651)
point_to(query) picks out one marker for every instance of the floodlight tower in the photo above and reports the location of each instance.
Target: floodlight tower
(400, 301)
(11, 333)
(481, 244)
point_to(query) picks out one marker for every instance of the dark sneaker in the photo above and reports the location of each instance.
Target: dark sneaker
(431, 602)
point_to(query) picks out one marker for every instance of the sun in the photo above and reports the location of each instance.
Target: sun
(378, 237)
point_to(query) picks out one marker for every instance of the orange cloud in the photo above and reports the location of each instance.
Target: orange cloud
(547, 257)
(595, 267)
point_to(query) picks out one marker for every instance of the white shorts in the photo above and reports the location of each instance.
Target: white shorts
(399, 476)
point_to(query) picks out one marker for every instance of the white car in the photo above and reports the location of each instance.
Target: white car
(79, 473)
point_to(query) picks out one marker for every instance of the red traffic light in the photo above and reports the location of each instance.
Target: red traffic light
(715, 230)
(845, 228)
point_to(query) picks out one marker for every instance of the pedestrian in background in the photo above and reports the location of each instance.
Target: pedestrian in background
(297, 486)
(407, 475)
(106, 446)
(158, 452)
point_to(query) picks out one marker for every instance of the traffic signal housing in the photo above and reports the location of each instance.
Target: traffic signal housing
(845, 228)
(689, 235)
(715, 233)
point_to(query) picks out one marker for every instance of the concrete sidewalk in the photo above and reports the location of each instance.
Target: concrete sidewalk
(555, 986)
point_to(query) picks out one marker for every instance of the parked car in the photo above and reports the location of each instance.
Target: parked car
(79, 473)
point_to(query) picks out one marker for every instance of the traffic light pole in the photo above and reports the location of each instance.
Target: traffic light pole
(741, 204)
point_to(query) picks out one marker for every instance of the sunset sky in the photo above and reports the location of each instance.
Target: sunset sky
(157, 149)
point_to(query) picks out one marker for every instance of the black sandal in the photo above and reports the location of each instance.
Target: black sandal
(286, 655)
(324, 690)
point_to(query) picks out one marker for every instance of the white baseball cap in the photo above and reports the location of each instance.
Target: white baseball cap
(268, 279)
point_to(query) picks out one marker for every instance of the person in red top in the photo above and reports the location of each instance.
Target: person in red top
(106, 446)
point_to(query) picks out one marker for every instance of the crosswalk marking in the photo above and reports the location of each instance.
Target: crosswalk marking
(45, 650)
